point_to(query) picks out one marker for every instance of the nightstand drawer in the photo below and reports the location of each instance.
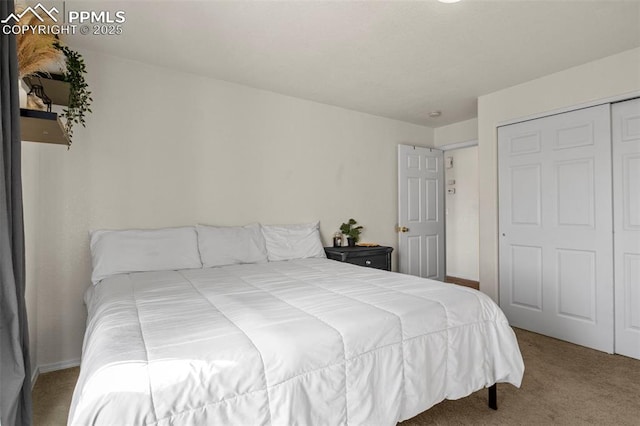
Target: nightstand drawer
(371, 257)
(378, 261)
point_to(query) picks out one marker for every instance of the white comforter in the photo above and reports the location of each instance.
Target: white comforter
(308, 342)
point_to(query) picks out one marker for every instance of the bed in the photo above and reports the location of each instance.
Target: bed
(305, 341)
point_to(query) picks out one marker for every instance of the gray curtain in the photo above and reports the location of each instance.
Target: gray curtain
(15, 374)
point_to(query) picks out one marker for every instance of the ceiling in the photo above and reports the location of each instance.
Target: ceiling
(395, 59)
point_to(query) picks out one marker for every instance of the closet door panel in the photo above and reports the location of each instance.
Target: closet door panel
(626, 195)
(555, 219)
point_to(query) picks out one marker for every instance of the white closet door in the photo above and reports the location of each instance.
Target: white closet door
(556, 264)
(626, 207)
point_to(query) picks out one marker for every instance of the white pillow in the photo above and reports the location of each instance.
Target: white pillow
(286, 242)
(229, 245)
(141, 250)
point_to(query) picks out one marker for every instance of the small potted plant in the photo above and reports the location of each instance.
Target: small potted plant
(351, 231)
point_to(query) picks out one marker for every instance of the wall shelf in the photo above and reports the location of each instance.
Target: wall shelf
(54, 86)
(42, 126)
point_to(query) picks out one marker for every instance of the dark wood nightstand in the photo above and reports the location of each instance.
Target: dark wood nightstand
(372, 257)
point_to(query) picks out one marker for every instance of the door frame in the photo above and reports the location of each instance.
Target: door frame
(608, 100)
(444, 149)
(459, 145)
(450, 279)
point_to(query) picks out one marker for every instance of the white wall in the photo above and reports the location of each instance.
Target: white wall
(615, 75)
(462, 214)
(462, 131)
(165, 148)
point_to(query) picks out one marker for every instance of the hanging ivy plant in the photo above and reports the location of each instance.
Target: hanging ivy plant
(79, 94)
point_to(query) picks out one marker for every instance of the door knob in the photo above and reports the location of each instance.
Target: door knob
(402, 229)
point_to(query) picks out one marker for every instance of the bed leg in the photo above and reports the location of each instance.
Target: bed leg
(493, 397)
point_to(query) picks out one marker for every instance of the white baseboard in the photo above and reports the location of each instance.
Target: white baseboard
(47, 368)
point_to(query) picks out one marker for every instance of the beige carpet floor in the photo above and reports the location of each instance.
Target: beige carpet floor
(564, 384)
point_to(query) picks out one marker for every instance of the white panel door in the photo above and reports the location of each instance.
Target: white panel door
(421, 212)
(555, 224)
(625, 124)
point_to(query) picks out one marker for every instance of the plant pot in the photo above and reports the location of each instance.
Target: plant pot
(351, 242)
